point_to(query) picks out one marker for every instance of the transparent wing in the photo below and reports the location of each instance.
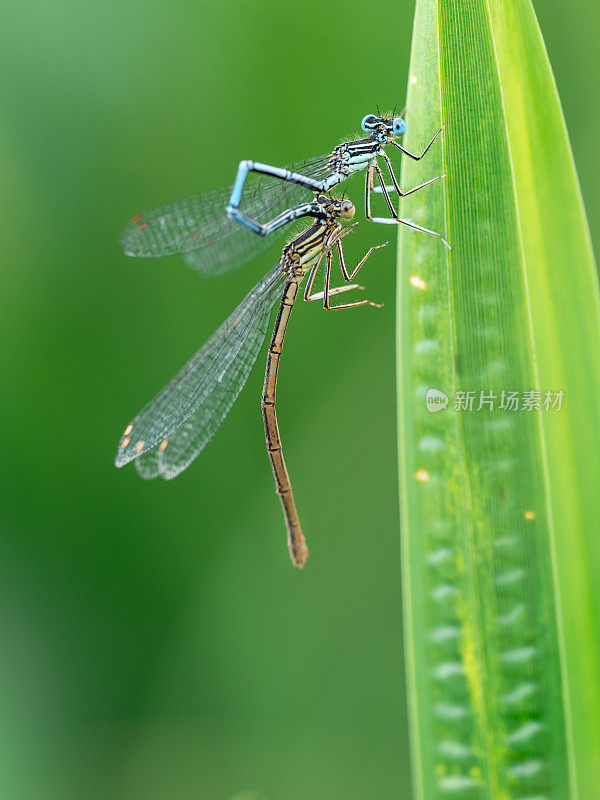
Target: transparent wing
(175, 426)
(199, 227)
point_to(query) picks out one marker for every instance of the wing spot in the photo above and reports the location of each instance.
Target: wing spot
(137, 218)
(143, 226)
(139, 446)
(128, 430)
(125, 442)
(163, 444)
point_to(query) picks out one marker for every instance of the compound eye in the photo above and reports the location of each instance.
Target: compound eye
(399, 126)
(369, 122)
(347, 206)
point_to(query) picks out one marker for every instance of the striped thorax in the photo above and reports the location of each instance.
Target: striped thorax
(308, 246)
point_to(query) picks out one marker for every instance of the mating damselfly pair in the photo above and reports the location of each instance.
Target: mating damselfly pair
(216, 236)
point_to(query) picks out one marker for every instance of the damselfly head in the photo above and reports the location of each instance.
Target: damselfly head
(333, 208)
(389, 127)
(344, 208)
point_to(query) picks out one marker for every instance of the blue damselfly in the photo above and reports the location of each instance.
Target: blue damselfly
(214, 243)
(327, 172)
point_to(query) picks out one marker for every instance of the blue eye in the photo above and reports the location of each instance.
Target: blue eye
(399, 126)
(368, 122)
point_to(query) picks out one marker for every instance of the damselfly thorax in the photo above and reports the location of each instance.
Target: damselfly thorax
(309, 245)
(351, 157)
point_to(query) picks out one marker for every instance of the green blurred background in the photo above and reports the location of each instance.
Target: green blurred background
(156, 641)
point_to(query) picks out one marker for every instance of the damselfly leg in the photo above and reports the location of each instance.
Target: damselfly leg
(413, 155)
(396, 186)
(394, 214)
(328, 290)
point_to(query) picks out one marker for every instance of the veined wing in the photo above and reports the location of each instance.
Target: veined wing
(175, 426)
(199, 227)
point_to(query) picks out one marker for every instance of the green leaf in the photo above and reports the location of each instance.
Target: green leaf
(500, 509)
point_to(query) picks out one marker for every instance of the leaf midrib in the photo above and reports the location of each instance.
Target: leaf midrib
(468, 533)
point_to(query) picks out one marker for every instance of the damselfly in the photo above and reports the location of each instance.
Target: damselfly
(168, 434)
(214, 243)
(323, 174)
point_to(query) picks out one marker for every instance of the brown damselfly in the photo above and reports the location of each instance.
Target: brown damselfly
(168, 434)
